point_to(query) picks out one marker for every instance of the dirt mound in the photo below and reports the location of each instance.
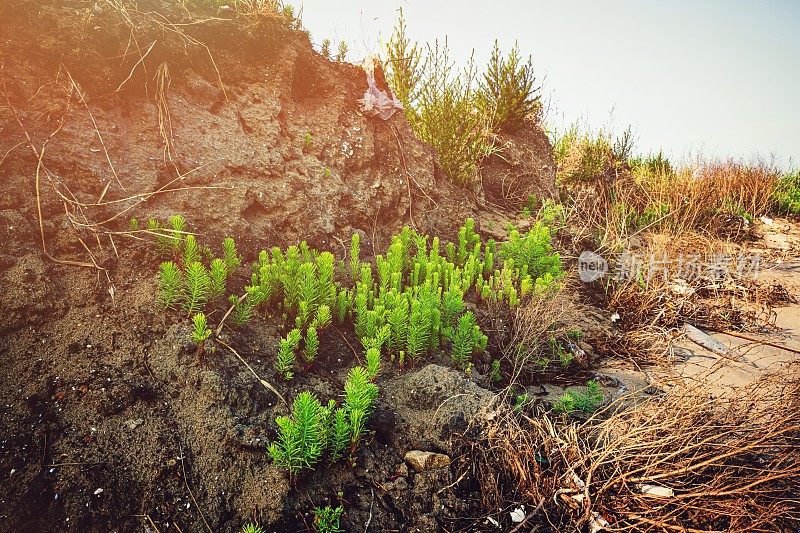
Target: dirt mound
(236, 123)
(521, 168)
(111, 111)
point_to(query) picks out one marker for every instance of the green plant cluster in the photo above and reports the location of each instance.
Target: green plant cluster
(786, 195)
(653, 164)
(455, 111)
(412, 302)
(194, 277)
(328, 519)
(508, 93)
(314, 429)
(587, 401)
(652, 214)
(582, 156)
(200, 332)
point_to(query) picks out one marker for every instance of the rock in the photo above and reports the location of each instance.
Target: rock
(134, 423)
(420, 461)
(401, 470)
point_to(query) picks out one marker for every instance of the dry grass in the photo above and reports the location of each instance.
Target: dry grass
(523, 335)
(612, 200)
(723, 464)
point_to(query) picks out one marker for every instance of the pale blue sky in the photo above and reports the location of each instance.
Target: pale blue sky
(717, 78)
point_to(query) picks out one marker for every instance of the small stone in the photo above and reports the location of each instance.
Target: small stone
(401, 470)
(98, 492)
(419, 460)
(134, 423)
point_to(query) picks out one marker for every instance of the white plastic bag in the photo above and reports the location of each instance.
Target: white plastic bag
(376, 102)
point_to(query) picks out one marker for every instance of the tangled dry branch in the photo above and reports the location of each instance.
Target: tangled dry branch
(683, 461)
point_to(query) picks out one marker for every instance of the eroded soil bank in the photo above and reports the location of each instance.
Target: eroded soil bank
(111, 112)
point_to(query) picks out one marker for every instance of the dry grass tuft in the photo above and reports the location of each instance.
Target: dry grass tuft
(678, 462)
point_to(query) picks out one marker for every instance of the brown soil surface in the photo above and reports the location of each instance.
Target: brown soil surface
(110, 422)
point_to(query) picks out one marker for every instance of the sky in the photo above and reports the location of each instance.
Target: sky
(710, 79)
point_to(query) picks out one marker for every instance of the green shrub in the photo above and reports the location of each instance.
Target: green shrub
(440, 104)
(341, 55)
(532, 254)
(170, 281)
(507, 91)
(302, 436)
(520, 401)
(582, 156)
(325, 48)
(191, 250)
(285, 360)
(219, 276)
(197, 287)
(229, 255)
(312, 346)
(327, 519)
(339, 434)
(403, 65)
(575, 334)
(252, 528)
(178, 225)
(466, 339)
(359, 396)
(786, 195)
(587, 401)
(201, 332)
(373, 358)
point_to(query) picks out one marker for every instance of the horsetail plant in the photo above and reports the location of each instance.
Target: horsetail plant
(284, 362)
(170, 281)
(301, 437)
(201, 332)
(197, 287)
(311, 347)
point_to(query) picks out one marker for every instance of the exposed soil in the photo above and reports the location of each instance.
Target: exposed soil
(110, 420)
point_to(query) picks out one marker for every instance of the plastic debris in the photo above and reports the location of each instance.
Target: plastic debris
(376, 102)
(656, 490)
(518, 514)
